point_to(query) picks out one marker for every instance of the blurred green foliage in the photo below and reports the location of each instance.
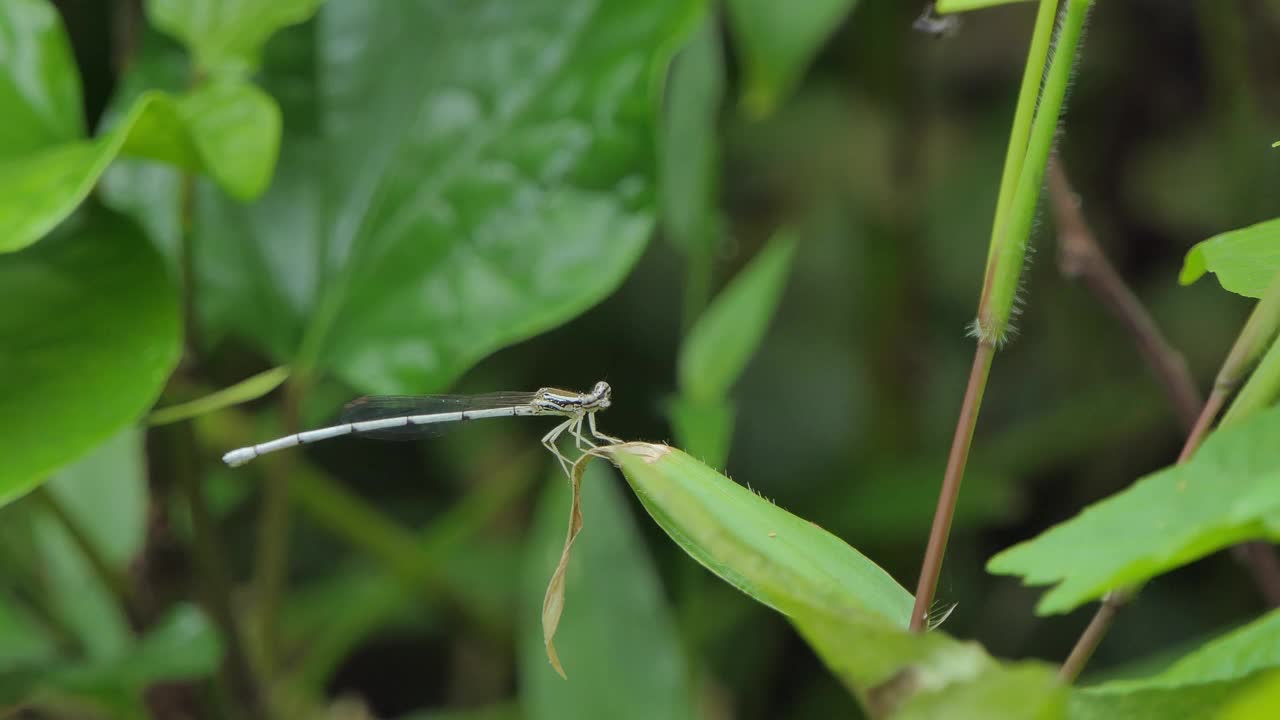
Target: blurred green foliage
(403, 197)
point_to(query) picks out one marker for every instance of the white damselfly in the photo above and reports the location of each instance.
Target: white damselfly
(399, 417)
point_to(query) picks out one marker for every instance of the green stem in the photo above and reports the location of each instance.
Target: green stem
(213, 578)
(1008, 253)
(697, 283)
(116, 582)
(1004, 267)
(931, 569)
(1025, 112)
(414, 558)
(272, 562)
(1259, 331)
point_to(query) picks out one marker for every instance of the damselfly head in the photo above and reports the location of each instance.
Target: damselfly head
(603, 394)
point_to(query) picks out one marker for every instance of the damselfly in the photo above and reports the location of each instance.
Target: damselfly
(399, 417)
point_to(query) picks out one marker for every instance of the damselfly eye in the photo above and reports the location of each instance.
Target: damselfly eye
(602, 390)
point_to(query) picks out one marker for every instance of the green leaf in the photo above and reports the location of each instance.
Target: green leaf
(229, 130)
(1258, 700)
(1238, 654)
(900, 674)
(703, 427)
(779, 559)
(690, 152)
(39, 84)
(182, 646)
(26, 641)
(450, 206)
(955, 6)
(777, 42)
(728, 333)
(1224, 494)
(105, 495)
(616, 623)
(1244, 260)
(89, 330)
(106, 492)
(226, 36)
(1189, 702)
(242, 392)
(849, 609)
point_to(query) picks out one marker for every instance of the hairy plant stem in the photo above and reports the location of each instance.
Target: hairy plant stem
(1030, 143)
(938, 534)
(1023, 114)
(272, 561)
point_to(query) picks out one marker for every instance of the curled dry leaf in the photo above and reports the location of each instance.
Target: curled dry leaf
(553, 601)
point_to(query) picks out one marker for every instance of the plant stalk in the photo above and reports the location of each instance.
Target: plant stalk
(941, 530)
(213, 579)
(116, 582)
(1258, 334)
(1010, 234)
(272, 562)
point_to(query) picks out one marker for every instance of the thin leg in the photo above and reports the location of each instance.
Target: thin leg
(595, 432)
(578, 438)
(549, 442)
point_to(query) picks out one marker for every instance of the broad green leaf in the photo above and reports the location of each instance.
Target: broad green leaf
(242, 392)
(1259, 700)
(105, 495)
(900, 674)
(777, 41)
(1237, 654)
(89, 333)
(849, 609)
(703, 427)
(1227, 492)
(619, 644)
(229, 130)
(727, 334)
(690, 142)
(39, 84)
(955, 6)
(1188, 702)
(26, 641)
(775, 557)
(226, 36)
(1244, 260)
(182, 646)
(106, 491)
(483, 173)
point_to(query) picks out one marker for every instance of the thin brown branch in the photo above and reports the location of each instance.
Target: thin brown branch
(1080, 257)
(950, 493)
(1093, 635)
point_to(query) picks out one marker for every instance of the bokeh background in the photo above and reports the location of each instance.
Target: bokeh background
(886, 159)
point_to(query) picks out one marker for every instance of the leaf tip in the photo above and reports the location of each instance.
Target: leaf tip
(1193, 265)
